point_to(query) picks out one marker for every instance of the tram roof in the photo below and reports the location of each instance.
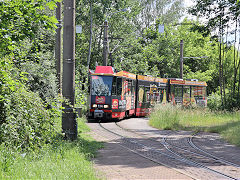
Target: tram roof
(153, 79)
(109, 71)
(104, 70)
(186, 82)
(126, 74)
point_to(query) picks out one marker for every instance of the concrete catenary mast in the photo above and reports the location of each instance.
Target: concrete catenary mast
(69, 124)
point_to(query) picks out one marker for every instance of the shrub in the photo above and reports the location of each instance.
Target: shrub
(214, 101)
(26, 122)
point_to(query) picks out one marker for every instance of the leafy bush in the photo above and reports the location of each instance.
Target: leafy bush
(28, 89)
(230, 101)
(41, 78)
(26, 122)
(214, 101)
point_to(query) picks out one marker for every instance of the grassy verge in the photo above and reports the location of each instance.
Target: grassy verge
(176, 118)
(61, 160)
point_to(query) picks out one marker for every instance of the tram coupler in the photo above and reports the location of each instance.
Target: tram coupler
(98, 113)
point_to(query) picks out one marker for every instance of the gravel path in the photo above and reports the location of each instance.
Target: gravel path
(117, 162)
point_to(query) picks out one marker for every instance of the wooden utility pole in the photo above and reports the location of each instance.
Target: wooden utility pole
(105, 43)
(58, 47)
(181, 59)
(69, 124)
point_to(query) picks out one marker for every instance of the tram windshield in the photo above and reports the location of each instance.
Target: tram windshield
(101, 85)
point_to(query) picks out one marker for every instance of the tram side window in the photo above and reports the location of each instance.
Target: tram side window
(158, 95)
(193, 95)
(114, 86)
(133, 87)
(129, 90)
(186, 95)
(141, 94)
(186, 90)
(178, 94)
(119, 86)
(147, 94)
(171, 95)
(161, 93)
(199, 94)
(153, 93)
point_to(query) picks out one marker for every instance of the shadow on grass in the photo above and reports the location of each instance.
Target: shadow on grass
(83, 144)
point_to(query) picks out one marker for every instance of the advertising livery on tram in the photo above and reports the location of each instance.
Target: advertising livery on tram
(115, 95)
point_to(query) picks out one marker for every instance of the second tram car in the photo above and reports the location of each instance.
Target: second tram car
(123, 94)
(187, 92)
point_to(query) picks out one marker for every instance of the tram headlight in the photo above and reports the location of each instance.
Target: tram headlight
(106, 106)
(94, 105)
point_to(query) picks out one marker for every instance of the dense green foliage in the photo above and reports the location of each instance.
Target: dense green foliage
(21, 20)
(178, 118)
(28, 94)
(25, 120)
(222, 22)
(126, 33)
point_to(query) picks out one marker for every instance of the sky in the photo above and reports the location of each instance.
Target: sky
(188, 3)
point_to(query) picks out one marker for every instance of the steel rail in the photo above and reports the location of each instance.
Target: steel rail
(195, 153)
(208, 155)
(194, 147)
(212, 156)
(199, 164)
(146, 157)
(181, 158)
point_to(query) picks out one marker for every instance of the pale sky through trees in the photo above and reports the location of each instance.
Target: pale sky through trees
(188, 3)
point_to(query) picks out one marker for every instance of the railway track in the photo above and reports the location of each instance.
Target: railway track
(190, 161)
(197, 151)
(205, 159)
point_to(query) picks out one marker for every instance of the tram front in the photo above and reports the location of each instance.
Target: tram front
(100, 93)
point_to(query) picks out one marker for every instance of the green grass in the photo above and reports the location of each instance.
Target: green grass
(61, 160)
(176, 118)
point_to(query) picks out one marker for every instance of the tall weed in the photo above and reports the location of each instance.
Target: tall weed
(165, 117)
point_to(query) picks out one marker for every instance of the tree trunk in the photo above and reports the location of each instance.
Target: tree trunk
(90, 38)
(223, 75)
(234, 60)
(220, 69)
(238, 96)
